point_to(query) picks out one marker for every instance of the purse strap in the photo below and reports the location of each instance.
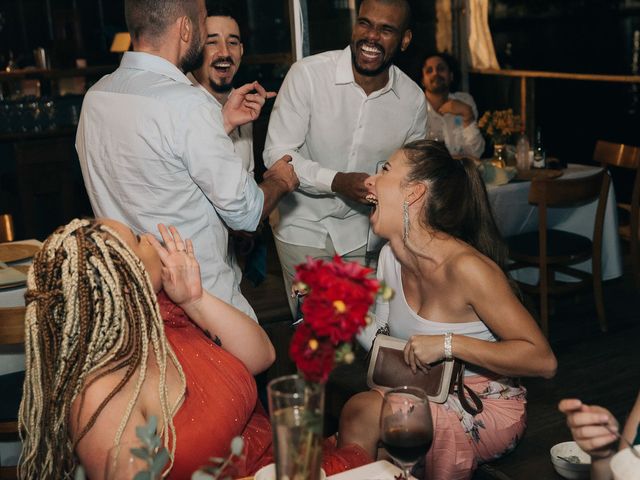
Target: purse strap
(463, 390)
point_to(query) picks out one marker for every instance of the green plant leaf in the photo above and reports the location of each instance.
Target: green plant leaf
(159, 462)
(143, 476)
(237, 445)
(140, 453)
(152, 425)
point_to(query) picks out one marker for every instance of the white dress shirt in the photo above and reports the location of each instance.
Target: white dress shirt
(242, 137)
(326, 122)
(437, 127)
(152, 149)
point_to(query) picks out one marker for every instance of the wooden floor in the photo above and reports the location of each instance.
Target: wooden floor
(599, 368)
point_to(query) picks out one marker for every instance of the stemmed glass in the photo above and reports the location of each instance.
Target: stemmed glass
(406, 429)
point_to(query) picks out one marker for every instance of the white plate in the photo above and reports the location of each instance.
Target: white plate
(380, 470)
(268, 472)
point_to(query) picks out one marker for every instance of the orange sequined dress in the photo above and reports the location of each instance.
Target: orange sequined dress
(221, 403)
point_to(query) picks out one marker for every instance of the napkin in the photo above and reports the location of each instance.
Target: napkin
(10, 276)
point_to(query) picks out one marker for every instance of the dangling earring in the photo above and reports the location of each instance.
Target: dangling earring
(405, 221)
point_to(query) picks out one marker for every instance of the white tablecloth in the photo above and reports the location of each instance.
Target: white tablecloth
(515, 215)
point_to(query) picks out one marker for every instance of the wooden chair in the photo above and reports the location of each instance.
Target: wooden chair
(628, 157)
(6, 228)
(553, 251)
(11, 333)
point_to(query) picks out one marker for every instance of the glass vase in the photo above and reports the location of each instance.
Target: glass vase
(499, 155)
(297, 408)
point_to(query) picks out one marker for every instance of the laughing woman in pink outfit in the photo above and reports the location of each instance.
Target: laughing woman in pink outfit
(444, 260)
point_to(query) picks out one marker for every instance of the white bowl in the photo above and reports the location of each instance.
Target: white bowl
(268, 472)
(625, 466)
(567, 469)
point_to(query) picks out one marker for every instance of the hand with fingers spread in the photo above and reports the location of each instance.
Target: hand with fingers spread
(588, 424)
(244, 105)
(181, 278)
(423, 350)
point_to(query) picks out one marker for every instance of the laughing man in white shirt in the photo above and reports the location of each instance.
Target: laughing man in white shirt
(338, 114)
(223, 52)
(155, 149)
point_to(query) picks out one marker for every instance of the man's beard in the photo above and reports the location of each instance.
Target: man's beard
(383, 66)
(194, 56)
(226, 84)
(221, 87)
(439, 88)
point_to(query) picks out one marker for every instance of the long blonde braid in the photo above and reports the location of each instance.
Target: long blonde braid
(91, 311)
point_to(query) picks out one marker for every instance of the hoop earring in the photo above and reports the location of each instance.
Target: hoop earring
(405, 221)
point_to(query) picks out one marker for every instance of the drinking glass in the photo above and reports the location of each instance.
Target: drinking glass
(406, 429)
(122, 464)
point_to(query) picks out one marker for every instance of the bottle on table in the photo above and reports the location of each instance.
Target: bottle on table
(539, 155)
(522, 152)
(453, 138)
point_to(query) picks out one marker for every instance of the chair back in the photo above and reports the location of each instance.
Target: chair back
(616, 154)
(567, 193)
(570, 192)
(12, 325)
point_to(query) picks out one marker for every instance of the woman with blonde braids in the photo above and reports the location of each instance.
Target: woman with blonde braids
(103, 355)
(99, 362)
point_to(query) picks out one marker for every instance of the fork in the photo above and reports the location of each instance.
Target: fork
(624, 440)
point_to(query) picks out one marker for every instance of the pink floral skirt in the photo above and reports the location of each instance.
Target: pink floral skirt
(462, 441)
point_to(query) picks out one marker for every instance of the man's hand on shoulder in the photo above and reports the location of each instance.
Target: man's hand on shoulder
(351, 185)
(244, 105)
(456, 107)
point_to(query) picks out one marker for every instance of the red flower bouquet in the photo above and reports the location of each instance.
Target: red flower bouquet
(335, 309)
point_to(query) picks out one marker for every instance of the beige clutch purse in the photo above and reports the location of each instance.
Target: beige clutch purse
(387, 369)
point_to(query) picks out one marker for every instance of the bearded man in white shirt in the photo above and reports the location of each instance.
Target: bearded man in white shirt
(338, 114)
(155, 149)
(223, 52)
(452, 116)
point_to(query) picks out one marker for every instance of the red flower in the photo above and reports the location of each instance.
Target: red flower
(335, 308)
(314, 357)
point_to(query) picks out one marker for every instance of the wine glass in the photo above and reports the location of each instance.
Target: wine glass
(406, 429)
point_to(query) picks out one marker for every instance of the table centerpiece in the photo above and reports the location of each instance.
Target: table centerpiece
(499, 126)
(337, 299)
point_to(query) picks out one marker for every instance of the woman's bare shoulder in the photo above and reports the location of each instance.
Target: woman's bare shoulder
(468, 262)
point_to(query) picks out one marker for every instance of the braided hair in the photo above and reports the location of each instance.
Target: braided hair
(91, 311)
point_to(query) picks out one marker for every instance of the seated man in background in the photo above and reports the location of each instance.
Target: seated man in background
(451, 116)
